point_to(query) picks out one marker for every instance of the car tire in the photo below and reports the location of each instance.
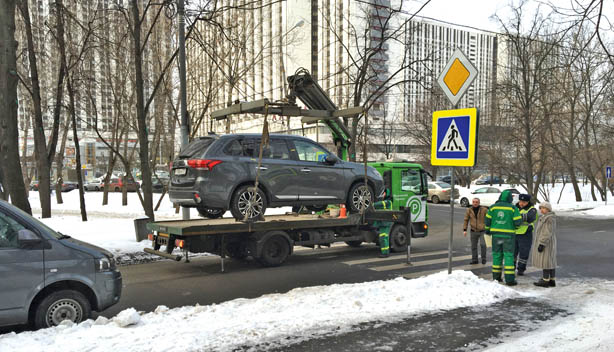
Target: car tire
(242, 202)
(399, 236)
(61, 305)
(117, 189)
(210, 213)
(435, 199)
(354, 244)
(97, 189)
(275, 250)
(464, 202)
(359, 196)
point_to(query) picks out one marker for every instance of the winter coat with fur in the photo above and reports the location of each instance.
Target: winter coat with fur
(545, 234)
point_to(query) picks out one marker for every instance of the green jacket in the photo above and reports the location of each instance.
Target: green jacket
(503, 218)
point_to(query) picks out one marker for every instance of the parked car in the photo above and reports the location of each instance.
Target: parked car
(440, 192)
(446, 179)
(94, 185)
(216, 173)
(487, 196)
(116, 184)
(487, 180)
(158, 184)
(48, 277)
(66, 186)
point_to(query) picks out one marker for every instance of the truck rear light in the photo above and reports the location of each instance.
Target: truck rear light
(204, 164)
(179, 243)
(150, 237)
(426, 226)
(197, 198)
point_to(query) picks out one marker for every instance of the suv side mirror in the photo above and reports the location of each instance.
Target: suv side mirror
(330, 160)
(27, 238)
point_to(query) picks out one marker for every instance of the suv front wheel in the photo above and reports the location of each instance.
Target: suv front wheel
(360, 197)
(247, 203)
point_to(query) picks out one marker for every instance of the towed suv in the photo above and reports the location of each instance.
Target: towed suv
(215, 174)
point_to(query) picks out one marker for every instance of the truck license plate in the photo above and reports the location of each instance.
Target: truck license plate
(180, 172)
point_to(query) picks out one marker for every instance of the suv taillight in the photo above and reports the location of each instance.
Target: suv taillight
(205, 164)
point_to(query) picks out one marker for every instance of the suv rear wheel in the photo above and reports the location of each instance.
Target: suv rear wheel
(248, 203)
(360, 197)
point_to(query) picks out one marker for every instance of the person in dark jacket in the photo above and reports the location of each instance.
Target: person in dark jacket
(474, 219)
(501, 222)
(543, 255)
(524, 233)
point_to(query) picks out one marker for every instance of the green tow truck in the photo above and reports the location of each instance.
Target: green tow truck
(271, 241)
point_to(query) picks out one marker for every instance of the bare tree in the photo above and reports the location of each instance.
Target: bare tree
(11, 177)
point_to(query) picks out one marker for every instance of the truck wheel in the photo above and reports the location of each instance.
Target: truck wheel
(211, 213)
(464, 202)
(398, 238)
(246, 201)
(435, 200)
(59, 306)
(354, 244)
(275, 251)
(360, 198)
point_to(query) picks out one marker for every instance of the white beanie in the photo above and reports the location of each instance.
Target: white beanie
(545, 205)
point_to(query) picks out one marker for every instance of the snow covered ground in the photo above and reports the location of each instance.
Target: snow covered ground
(280, 319)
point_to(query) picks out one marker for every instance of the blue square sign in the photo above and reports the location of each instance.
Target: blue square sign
(455, 134)
(608, 172)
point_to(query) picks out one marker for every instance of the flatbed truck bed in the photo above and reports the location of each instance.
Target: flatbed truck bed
(270, 241)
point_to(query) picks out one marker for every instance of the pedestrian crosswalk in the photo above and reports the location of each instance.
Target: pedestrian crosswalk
(424, 263)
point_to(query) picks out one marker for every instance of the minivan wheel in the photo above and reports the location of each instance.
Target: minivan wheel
(360, 197)
(59, 306)
(249, 203)
(211, 213)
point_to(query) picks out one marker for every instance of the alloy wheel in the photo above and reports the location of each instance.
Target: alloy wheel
(250, 203)
(361, 198)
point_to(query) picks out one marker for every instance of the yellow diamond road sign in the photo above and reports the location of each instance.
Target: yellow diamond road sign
(457, 76)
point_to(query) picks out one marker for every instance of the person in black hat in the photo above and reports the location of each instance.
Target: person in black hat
(524, 233)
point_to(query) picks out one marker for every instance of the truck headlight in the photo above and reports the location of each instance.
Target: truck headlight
(105, 264)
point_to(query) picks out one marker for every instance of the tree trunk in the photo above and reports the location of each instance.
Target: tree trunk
(71, 96)
(40, 146)
(12, 176)
(141, 113)
(59, 160)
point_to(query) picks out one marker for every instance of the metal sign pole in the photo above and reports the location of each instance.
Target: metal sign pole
(451, 225)
(607, 182)
(408, 234)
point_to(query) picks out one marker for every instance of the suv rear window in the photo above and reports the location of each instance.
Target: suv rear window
(197, 148)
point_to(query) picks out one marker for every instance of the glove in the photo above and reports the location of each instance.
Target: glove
(540, 248)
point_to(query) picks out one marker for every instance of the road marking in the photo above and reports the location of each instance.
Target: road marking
(393, 257)
(461, 267)
(421, 263)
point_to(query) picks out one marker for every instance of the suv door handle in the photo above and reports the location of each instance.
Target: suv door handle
(306, 170)
(262, 168)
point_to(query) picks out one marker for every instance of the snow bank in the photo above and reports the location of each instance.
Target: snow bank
(589, 328)
(276, 318)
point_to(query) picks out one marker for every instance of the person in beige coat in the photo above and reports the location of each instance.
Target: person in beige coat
(543, 253)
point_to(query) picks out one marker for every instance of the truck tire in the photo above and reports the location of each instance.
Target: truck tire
(59, 306)
(246, 200)
(360, 197)
(210, 213)
(354, 244)
(399, 236)
(275, 250)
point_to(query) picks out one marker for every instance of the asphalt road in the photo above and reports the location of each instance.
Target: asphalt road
(585, 249)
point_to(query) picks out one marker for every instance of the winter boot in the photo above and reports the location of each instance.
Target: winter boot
(542, 283)
(520, 272)
(483, 260)
(512, 283)
(474, 261)
(552, 283)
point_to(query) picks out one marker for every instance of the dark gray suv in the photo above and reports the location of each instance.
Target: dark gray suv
(217, 173)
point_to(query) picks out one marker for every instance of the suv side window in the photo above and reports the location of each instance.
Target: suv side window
(8, 231)
(234, 148)
(278, 149)
(309, 152)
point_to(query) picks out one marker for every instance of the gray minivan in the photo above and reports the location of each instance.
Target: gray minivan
(217, 173)
(47, 277)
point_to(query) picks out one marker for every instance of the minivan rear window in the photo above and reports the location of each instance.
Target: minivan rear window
(196, 148)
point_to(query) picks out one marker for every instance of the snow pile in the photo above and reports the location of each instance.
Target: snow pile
(278, 319)
(589, 328)
(600, 211)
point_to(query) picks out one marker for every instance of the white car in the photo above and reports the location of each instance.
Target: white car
(487, 196)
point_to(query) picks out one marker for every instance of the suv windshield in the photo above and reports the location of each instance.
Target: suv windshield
(197, 148)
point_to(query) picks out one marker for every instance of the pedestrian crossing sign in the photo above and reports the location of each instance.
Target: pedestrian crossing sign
(455, 136)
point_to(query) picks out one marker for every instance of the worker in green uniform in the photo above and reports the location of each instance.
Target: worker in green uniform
(524, 233)
(501, 221)
(383, 227)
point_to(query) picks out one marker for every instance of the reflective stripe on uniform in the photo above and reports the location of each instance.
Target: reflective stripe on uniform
(385, 248)
(509, 267)
(496, 270)
(488, 216)
(494, 229)
(496, 266)
(509, 272)
(383, 234)
(502, 208)
(517, 217)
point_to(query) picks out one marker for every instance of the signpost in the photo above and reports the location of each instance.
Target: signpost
(455, 132)
(608, 176)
